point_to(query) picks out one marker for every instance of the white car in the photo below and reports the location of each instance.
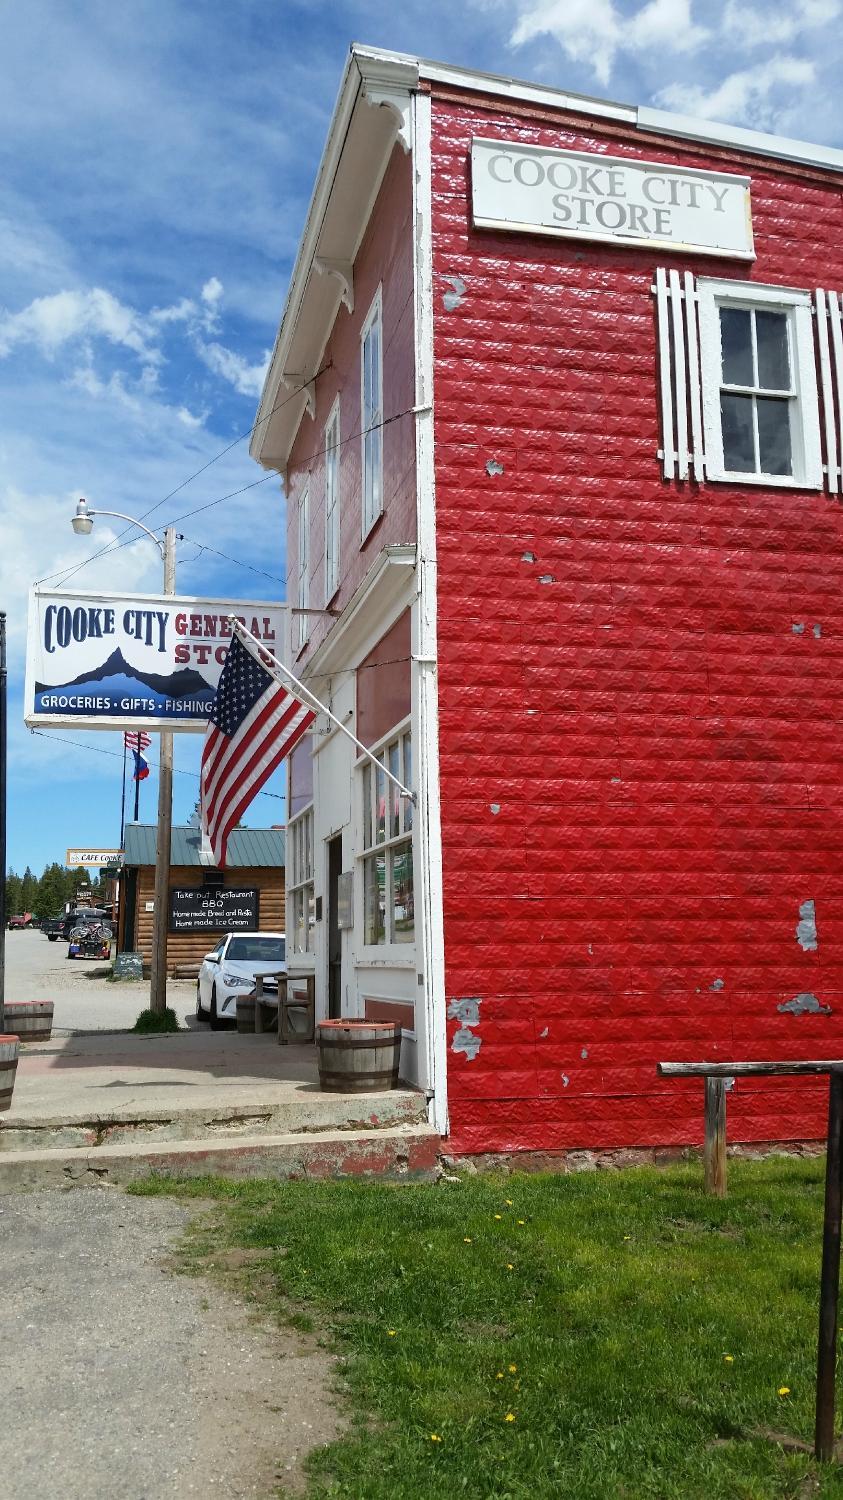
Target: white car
(230, 969)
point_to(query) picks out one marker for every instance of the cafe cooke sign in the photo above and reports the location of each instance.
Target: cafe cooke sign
(116, 661)
(619, 199)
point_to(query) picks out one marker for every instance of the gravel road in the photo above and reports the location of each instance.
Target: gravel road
(123, 1379)
(84, 998)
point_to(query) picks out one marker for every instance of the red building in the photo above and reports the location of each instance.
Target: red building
(556, 398)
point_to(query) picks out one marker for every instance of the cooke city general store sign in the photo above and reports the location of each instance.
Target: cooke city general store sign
(588, 196)
(107, 661)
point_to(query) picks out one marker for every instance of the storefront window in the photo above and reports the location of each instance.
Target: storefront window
(388, 898)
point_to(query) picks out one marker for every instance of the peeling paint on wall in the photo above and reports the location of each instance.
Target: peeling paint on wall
(543, 1034)
(818, 630)
(565, 1080)
(494, 808)
(805, 1005)
(584, 1053)
(453, 298)
(798, 629)
(806, 928)
(467, 1011)
(546, 578)
(716, 984)
(465, 1041)
(528, 556)
(493, 467)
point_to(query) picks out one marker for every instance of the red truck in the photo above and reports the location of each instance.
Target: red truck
(22, 919)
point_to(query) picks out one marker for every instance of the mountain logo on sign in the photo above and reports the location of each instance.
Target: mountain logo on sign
(116, 679)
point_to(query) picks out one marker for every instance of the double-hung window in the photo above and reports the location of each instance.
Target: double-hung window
(371, 405)
(303, 590)
(332, 503)
(759, 388)
(387, 856)
(300, 888)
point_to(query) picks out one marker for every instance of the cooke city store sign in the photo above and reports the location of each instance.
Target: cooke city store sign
(107, 661)
(618, 199)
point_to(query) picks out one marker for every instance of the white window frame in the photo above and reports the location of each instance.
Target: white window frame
(372, 846)
(301, 889)
(303, 586)
(332, 502)
(803, 403)
(371, 422)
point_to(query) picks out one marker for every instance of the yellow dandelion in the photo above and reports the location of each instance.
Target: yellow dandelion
(498, 1216)
(627, 1237)
(784, 1390)
(390, 1333)
(466, 1239)
(520, 1221)
(509, 1266)
(512, 1369)
(499, 1375)
(728, 1359)
(510, 1416)
(435, 1438)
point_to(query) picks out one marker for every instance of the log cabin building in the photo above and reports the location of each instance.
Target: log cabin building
(204, 902)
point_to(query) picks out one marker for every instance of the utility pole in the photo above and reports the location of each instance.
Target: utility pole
(3, 707)
(158, 984)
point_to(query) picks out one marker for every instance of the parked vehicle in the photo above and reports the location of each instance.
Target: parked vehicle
(52, 928)
(20, 920)
(83, 916)
(90, 940)
(230, 970)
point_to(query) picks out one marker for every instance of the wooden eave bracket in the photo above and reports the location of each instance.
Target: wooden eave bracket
(395, 99)
(304, 383)
(343, 270)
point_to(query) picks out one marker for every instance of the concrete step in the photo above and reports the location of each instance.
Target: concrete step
(398, 1154)
(299, 1112)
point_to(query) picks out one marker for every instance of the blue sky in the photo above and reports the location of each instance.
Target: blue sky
(157, 161)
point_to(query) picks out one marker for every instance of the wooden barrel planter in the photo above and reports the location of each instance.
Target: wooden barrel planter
(9, 1047)
(358, 1057)
(32, 1019)
(245, 1013)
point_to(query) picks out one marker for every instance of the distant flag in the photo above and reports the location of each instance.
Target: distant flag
(254, 723)
(141, 770)
(135, 739)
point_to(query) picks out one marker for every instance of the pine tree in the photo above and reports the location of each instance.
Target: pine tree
(13, 894)
(29, 890)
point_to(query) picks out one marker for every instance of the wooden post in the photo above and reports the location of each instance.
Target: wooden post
(830, 1276)
(715, 1136)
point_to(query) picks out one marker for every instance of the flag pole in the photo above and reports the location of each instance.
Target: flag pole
(123, 798)
(137, 785)
(274, 667)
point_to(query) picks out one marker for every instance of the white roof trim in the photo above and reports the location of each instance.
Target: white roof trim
(381, 73)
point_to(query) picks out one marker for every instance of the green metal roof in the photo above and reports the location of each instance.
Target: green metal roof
(262, 848)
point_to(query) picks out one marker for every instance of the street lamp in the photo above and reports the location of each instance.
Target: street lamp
(83, 524)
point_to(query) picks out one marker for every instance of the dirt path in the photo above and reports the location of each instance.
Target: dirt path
(120, 1377)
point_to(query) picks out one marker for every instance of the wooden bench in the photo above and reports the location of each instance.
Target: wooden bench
(295, 992)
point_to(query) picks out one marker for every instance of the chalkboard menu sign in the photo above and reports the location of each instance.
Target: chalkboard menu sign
(199, 908)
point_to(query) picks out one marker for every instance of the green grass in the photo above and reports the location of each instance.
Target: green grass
(596, 1310)
(156, 1021)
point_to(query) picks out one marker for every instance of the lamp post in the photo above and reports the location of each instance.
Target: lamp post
(83, 523)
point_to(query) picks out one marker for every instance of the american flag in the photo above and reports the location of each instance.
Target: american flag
(254, 723)
(136, 740)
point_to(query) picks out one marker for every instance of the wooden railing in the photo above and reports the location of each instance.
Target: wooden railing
(716, 1075)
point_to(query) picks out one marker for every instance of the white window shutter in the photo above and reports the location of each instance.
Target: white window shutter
(830, 352)
(679, 375)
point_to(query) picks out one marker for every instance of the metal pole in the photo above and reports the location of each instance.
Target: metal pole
(830, 1276)
(123, 797)
(3, 708)
(137, 786)
(715, 1136)
(158, 985)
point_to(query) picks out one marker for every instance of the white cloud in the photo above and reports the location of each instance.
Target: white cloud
(753, 26)
(247, 379)
(595, 31)
(51, 322)
(748, 95)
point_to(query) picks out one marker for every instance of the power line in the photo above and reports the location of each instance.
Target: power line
(112, 546)
(118, 755)
(206, 547)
